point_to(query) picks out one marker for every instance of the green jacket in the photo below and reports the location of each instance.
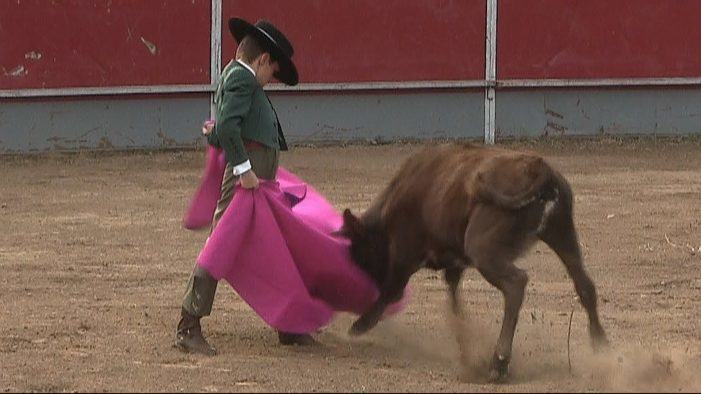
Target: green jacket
(243, 112)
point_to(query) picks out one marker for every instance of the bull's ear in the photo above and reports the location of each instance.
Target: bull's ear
(351, 224)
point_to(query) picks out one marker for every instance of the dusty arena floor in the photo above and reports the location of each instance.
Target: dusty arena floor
(94, 263)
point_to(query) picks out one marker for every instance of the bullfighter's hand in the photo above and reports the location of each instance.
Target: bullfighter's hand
(249, 180)
(207, 127)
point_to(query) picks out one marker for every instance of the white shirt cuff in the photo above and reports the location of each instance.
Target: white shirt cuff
(241, 168)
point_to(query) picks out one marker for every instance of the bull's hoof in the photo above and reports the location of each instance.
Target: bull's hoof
(600, 343)
(497, 376)
(289, 339)
(499, 371)
(359, 328)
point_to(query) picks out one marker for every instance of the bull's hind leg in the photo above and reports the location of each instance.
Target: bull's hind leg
(493, 240)
(560, 234)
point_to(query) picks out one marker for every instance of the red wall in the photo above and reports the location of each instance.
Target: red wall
(598, 38)
(374, 40)
(75, 43)
(72, 43)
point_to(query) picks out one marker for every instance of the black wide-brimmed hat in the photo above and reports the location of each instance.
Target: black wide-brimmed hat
(279, 46)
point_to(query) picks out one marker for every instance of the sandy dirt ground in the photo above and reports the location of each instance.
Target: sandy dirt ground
(94, 263)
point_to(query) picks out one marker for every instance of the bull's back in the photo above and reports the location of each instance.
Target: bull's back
(442, 184)
(428, 193)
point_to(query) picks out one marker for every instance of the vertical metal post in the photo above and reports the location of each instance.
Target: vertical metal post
(490, 72)
(215, 51)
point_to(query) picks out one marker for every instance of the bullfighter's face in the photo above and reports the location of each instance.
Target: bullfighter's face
(265, 68)
(369, 246)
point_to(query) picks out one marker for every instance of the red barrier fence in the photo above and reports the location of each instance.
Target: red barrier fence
(85, 43)
(370, 40)
(81, 43)
(574, 39)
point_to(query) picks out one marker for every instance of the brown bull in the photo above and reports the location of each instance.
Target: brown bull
(454, 206)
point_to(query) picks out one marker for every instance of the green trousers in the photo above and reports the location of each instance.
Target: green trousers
(201, 287)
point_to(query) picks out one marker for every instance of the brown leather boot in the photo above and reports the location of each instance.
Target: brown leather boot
(288, 339)
(188, 337)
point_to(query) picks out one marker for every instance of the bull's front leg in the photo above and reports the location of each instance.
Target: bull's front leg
(452, 276)
(392, 291)
(370, 318)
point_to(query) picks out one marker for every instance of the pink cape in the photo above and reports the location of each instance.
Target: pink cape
(275, 246)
